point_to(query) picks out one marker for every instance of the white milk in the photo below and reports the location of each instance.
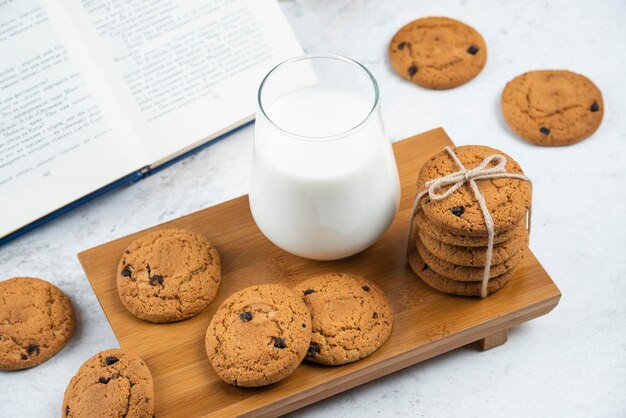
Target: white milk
(320, 198)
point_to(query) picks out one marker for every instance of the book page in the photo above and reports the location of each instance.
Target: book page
(56, 145)
(184, 71)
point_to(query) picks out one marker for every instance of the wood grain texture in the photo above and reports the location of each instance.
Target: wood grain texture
(427, 322)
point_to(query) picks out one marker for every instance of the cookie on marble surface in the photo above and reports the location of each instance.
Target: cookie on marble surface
(36, 321)
(474, 256)
(464, 273)
(351, 317)
(420, 221)
(259, 335)
(113, 383)
(437, 52)
(168, 275)
(552, 107)
(454, 287)
(508, 199)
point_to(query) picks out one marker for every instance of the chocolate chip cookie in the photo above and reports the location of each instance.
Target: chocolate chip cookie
(508, 199)
(259, 335)
(455, 287)
(351, 317)
(438, 52)
(552, 107)
(113, 383)
(474, 256)
(421, 221)
(36, 321)
(464, 273)
(168, 275)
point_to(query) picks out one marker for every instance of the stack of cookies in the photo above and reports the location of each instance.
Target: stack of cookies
(449, 237)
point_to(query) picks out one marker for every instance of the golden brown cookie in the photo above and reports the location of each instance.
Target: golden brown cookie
(420, 221)
(552, 107)
(259, 335)
(437, 52)
(113, 383)
(454, 287)
(351, 317)
(168, 275)
(474, 256)
(507, 199)
(36, 321)
(464, 273)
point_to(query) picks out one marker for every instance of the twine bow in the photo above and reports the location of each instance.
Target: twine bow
(453, 182)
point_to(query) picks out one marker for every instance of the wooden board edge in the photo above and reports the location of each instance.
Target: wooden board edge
(399, 362)
(82, 259)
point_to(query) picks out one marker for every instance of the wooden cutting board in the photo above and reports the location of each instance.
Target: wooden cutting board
(427, 323)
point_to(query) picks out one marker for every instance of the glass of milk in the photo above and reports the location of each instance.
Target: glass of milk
(324, 178)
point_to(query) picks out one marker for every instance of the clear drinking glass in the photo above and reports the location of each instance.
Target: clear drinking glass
(324, 178)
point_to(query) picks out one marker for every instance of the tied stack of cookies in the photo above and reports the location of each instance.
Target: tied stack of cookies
(469, 223)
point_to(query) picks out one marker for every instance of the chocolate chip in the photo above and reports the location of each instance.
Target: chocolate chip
(473, 49)
(402, 45)
(426, 201)
(425, 267)
(303, 325)
(23, 356)
(246, 316)
(457, 210)
(156, 279)
(374, 315)
(544, 130)
(412, 70)
(279, 343)
(309, 291)
(127, 271)
(67, 410)
(111, 360)
(366, 288)
(314, 348)
(104, 380)
(594, 107)
(32, 349)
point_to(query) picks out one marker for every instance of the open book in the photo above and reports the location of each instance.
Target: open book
(97, 93)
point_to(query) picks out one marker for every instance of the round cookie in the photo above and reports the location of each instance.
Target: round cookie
(464, 273)
(437, 52)
(455, 287)
(552, 107)
(36, 321)
(351, 317)
(508, 199)
(473, 256)
(113, 383)
(259, 335)
(420, 221)
(168, 275)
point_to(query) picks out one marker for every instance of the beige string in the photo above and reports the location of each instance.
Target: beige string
(455, 181)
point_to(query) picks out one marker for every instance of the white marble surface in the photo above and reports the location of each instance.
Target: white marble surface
(571, 362)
